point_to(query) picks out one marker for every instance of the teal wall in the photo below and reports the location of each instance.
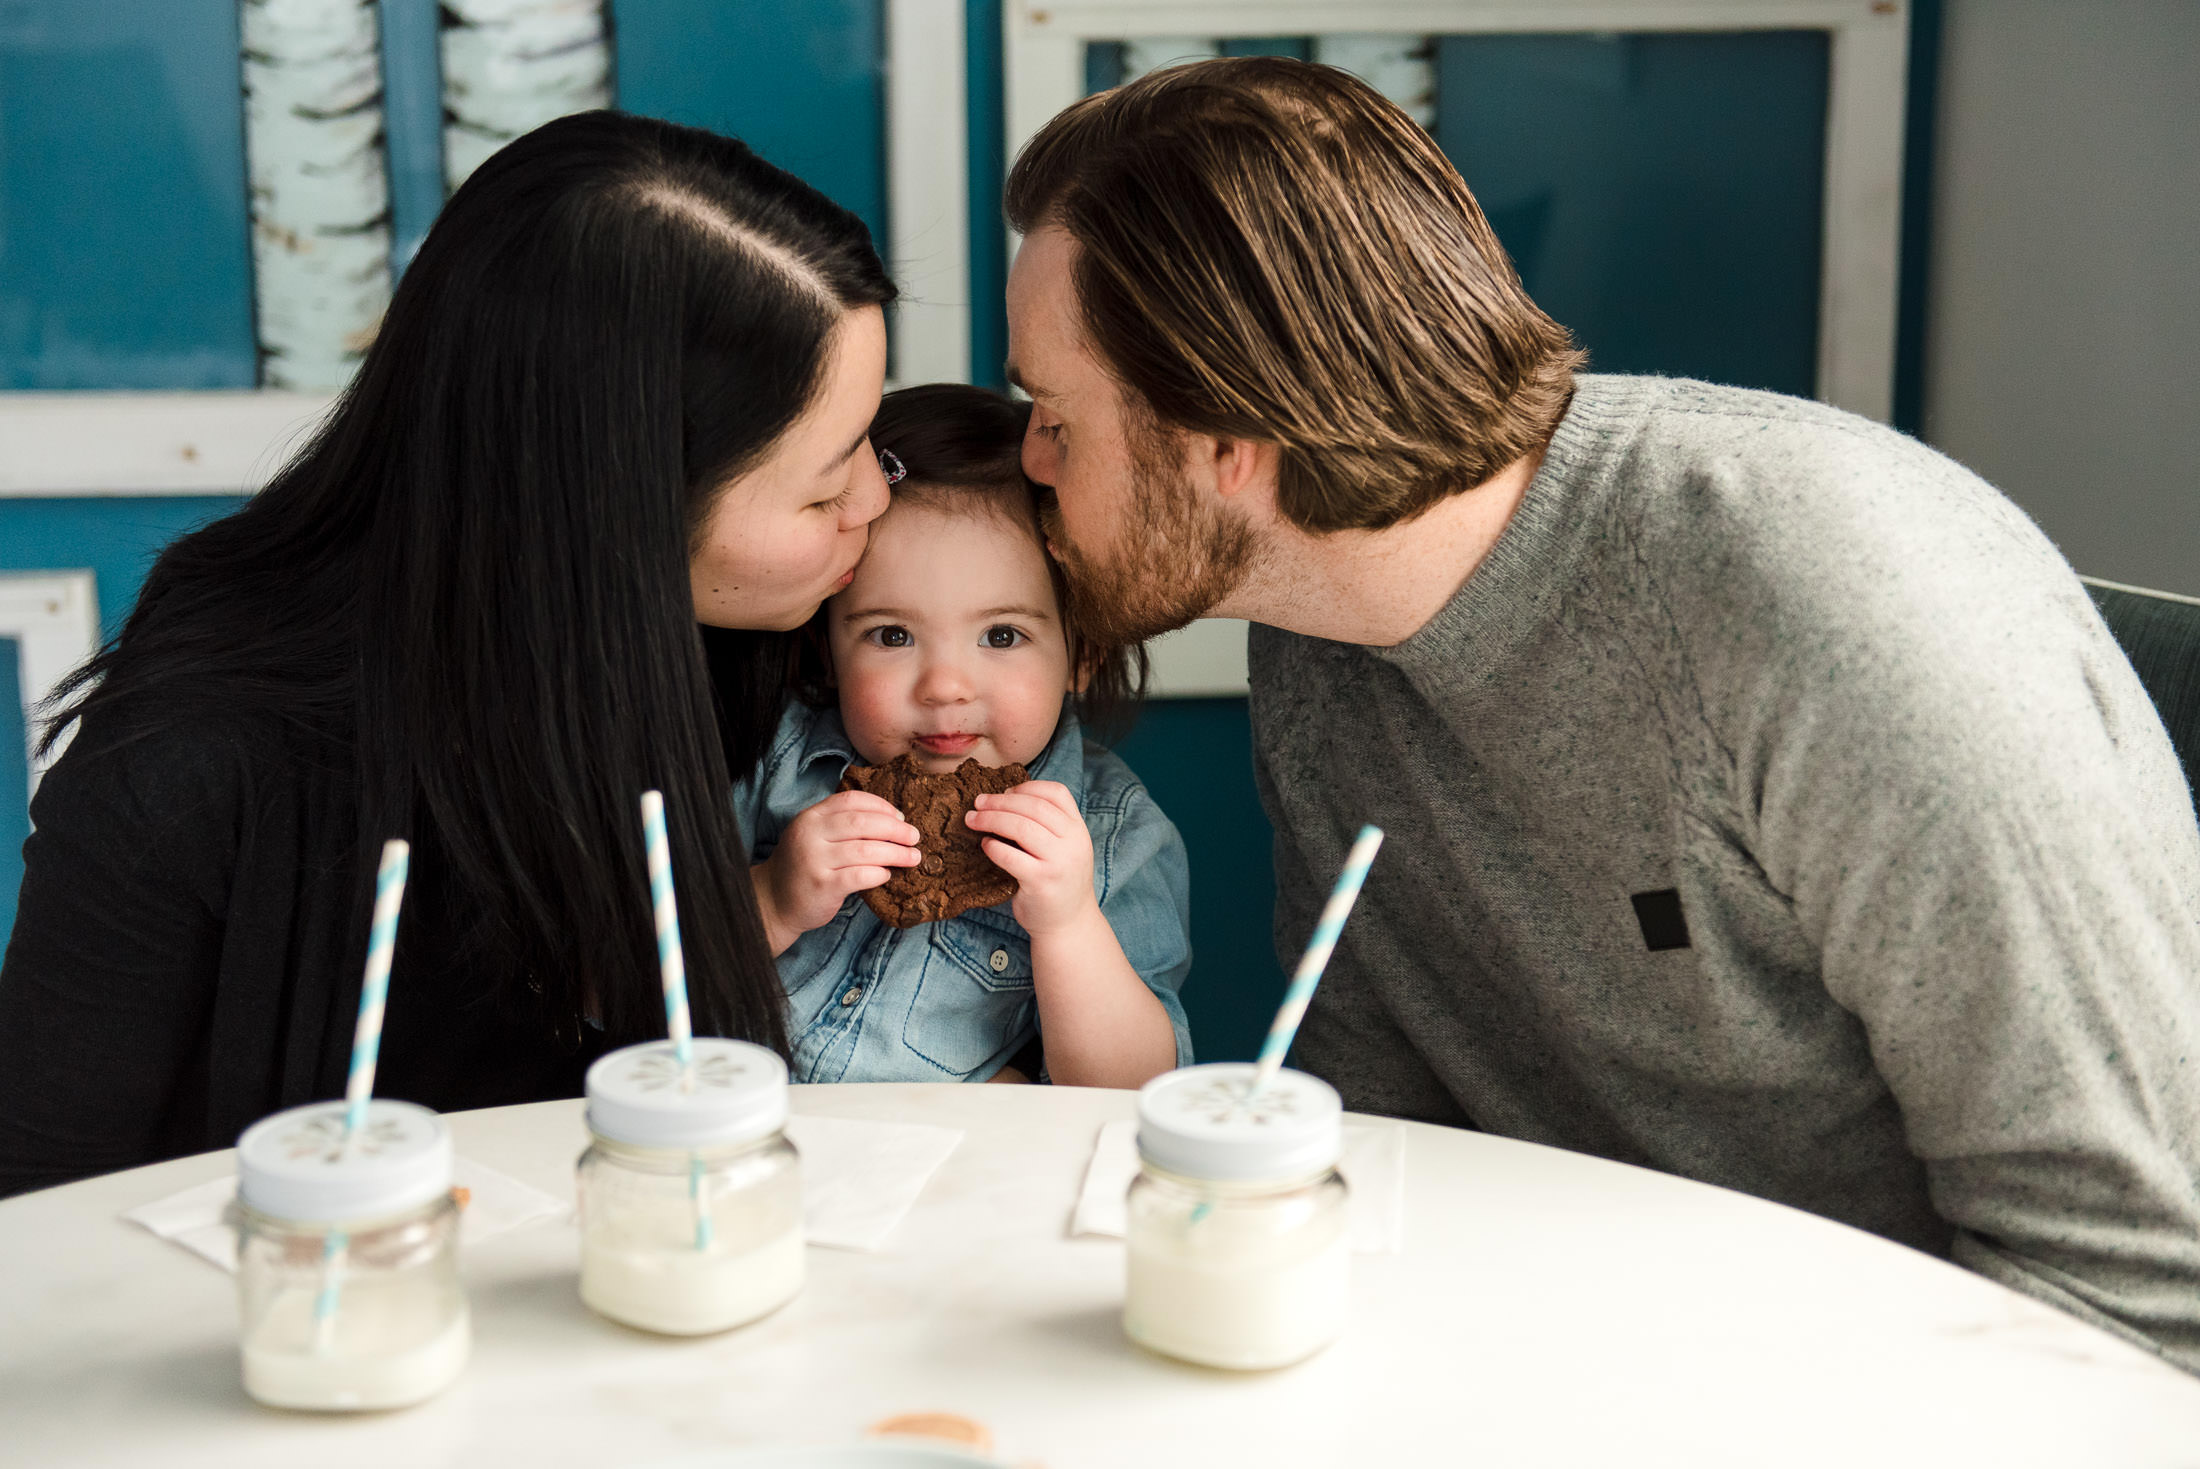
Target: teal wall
(1196, 757)
(797, 80)
(124, 261)
(14, 783)
(1659, 194)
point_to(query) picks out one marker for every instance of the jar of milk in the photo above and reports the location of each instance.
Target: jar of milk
(690, 1195)
(1238, 1244)
(347, 1258)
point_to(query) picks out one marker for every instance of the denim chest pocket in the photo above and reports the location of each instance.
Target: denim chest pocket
(975, 996)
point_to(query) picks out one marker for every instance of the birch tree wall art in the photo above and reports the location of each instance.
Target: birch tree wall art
(510, 66)
(319, 190)
(1402, 68)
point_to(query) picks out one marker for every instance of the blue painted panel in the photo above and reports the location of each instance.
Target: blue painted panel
(15, 822)
(124, 261)
(1917, 215)
(116, 537)
(987, 112)
(800, 81)
(1196, 757)
(1660, 193)
(412, 122)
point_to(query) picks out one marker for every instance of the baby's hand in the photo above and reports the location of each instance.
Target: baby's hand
(1036, 834)
(846, 843)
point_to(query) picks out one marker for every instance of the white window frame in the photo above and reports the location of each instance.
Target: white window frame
(54, 618)
(928, 188)
(1044, 55)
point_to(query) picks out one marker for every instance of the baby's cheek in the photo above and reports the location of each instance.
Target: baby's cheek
(873, 712)
(1023, 726)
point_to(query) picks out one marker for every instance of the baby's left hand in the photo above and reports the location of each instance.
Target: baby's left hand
(1036, 834)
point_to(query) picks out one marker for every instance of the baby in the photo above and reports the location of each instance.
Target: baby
(952, 643)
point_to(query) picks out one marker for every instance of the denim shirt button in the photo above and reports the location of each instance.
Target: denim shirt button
(999, 961)
(852, 996)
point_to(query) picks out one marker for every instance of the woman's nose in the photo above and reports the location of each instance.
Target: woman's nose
(868, 497)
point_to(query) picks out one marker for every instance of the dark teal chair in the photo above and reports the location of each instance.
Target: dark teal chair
(2160, 634)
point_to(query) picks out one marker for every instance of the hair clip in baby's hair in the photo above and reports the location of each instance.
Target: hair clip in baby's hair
(890, 465)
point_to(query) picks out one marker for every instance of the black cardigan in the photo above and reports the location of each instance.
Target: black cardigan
(187, 951)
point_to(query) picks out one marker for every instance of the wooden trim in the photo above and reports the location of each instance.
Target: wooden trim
(150, 443)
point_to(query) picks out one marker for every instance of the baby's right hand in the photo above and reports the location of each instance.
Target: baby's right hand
(846, 843)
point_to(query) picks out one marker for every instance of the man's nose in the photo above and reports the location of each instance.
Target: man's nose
(1038, 458)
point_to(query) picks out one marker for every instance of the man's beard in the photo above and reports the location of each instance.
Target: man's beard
(1177, 557)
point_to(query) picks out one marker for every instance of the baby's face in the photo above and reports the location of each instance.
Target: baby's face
(948, 644)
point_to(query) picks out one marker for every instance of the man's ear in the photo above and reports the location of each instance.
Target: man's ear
(1243, 465)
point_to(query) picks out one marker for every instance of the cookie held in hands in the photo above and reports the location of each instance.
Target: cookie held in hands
(955, 875)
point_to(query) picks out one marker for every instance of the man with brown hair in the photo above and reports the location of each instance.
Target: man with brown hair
(1766, 802)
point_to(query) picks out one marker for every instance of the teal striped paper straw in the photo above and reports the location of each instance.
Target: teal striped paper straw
(366, 1049)
(669, 957)
(673, 964)
(1316, 959)
(374, 990)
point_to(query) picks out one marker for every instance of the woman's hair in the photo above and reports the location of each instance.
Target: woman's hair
(1272, 250)
(473, 584)
(963, 448)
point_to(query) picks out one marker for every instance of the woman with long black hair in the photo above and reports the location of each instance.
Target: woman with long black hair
(608, 446)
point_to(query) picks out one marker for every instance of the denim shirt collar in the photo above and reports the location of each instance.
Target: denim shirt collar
(1062, 760)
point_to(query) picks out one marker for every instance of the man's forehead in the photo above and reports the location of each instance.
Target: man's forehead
(1042, 312)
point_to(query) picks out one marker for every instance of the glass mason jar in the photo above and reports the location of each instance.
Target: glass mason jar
(1238, 1238)
(347, 1259)
(689, 1195)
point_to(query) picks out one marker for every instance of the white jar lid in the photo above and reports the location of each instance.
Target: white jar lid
(295, 1164)
(634, 1095)
(1197, 1122)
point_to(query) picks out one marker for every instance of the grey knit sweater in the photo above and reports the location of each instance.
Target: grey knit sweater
(1771, 807)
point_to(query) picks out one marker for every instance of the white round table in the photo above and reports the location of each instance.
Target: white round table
(1548, 1309)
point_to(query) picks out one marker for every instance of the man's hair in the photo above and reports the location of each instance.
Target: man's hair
(1270, 250)
(963, 448)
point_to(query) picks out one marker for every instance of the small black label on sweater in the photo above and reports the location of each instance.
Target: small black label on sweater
(1663, 924)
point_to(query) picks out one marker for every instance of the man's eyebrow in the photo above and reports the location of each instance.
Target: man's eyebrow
(1016, 381)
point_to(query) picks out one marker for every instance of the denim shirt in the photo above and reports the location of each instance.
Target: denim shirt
(953, 1001)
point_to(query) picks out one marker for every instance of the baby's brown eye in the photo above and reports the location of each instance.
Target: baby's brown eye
(1002, 637)
(890, 637)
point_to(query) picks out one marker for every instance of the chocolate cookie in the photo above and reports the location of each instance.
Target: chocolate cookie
(955, 874)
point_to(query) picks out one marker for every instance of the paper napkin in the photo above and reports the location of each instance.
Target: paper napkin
(1373, 1165)
(197, 1217)
(859, 1177)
